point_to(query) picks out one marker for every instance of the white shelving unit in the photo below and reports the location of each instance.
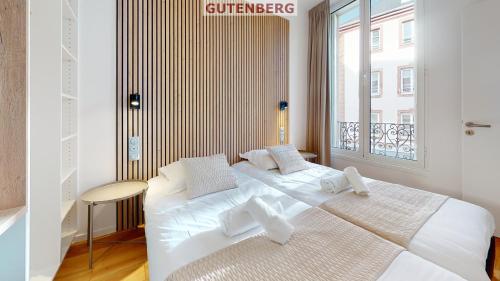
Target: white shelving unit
(69, 122)
(54, 136)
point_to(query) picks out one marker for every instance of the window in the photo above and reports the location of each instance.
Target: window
(358, 127)
(376, 84)
(405, 118)
(406, 81)
(376, 116)
(407, 32)
(376, 37)
(345, 74)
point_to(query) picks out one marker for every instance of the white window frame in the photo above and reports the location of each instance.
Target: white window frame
(363, 155)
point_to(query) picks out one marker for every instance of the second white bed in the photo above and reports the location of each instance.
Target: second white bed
(457, 236)
(180, 231)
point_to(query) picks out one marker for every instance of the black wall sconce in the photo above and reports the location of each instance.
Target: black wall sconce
(283, 105)
(135, 101)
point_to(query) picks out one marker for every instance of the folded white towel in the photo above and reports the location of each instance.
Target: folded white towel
(237, 220)
(356, 180)
(277, 227)
(334, 183)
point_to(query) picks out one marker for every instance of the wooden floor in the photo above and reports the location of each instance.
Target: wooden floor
(497, 261)
(111, 261)
(129, 261)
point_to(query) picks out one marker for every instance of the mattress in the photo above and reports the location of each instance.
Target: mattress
(180, 231)
(457, 237)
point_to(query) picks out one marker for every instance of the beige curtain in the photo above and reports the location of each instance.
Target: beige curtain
(318, 107)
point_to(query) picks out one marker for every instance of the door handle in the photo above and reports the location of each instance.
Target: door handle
(474, 125)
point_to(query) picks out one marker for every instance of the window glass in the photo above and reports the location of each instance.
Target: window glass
(375, 84)
(406, 118)
(389, 97)
(387, 137)
(375, 117)
(407, 31)
(407, 80)
(375, 34)
(345, 54)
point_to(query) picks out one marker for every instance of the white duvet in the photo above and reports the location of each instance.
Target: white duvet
(456, 237)
(180, 231)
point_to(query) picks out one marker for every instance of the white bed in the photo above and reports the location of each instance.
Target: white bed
(457, 237)
(180, 231)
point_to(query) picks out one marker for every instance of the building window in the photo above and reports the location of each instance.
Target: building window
(406, 81)
(406, 118)
(358, 128)
(407, 32)
(376, 38)
(376, 116)
(376, 84)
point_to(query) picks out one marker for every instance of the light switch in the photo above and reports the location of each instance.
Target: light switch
(134, 148)
(282, 135)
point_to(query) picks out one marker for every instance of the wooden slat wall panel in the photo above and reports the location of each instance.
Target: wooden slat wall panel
(12, 103)
(208, 85)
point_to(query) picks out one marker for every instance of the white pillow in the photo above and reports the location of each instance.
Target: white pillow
(175, 174)
(260, 158)
(288, 158)
(173, 171)
(206, 175)
(164, 186)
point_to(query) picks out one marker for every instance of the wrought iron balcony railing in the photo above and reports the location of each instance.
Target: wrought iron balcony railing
(387, 139)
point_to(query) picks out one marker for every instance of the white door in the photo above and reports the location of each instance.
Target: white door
(481, 105)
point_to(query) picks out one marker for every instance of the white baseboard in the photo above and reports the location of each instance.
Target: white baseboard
(97, 232)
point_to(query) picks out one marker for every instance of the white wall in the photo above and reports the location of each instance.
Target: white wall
(97, 112)
(299, 36)
(442, 106)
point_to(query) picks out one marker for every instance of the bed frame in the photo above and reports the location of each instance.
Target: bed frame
(490, 261)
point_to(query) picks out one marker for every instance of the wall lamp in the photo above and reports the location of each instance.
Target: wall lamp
(135, 101)
(283, 105)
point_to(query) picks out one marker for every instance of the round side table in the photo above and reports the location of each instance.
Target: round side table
(308, 156)
(109, 193)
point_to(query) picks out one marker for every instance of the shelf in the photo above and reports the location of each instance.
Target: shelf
(9, 217)
(68, 137)
(68, 234)
(68, 54)
(70, 97)
(66, 207)
(67, 175)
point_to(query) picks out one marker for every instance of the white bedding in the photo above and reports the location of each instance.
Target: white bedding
(180, 231)
(456, 237)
